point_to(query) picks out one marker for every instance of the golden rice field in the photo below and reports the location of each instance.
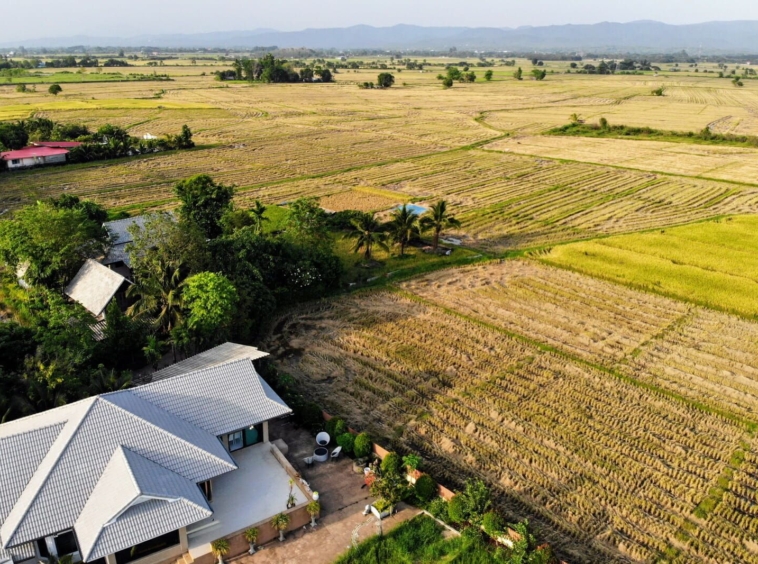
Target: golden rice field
(587, 407)
(280, 142)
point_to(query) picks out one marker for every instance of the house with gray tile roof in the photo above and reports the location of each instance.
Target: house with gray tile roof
(119, 478)
(120, 238)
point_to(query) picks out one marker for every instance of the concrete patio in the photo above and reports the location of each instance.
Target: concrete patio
(342, 499)
(256, 491)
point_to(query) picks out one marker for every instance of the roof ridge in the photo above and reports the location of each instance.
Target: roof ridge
(121, 448)
(198, 370)
(40, 415)
(165, 431)
(42, 474)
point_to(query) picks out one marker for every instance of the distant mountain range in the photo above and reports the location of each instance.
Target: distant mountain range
(641, 36)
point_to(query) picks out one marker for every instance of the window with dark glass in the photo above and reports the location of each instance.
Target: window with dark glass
(42, 547)
(66, 543)
(207, 490)
(147, 548)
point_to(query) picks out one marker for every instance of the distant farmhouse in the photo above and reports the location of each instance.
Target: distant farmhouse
(39, 154)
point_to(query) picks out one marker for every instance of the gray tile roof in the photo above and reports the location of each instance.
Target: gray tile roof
(221, 354)
(58, 469)
(114, 514)
(120, 237)
(119, 229)
(61, 485)
(239, 396)
(94, 286)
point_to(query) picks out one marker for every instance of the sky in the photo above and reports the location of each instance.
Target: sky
(116, 18)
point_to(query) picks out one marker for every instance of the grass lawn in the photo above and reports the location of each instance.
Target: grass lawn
(420, 540)
(713, 263)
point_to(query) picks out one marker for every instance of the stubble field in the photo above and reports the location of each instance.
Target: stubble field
(585, 405)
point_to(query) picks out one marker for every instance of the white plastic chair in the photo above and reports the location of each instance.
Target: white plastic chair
(323, 438)
(336, 452)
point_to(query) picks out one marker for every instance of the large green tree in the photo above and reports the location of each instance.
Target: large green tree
(210, 300)
(54, 242)
(204, 203)
(437, 219)
(307, 221)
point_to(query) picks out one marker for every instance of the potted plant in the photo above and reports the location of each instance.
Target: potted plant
(381, 508)
(313, 509)
(412, 464)
(251, 535)
(280, 523)
(220, 548)
(291, 500)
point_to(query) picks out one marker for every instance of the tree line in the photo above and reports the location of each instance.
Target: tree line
(272, 70)
(108, 142)
(209, 275)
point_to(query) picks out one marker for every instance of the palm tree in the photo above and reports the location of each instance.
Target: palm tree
(280, 523)
(220, 548)
(404, 227)
(251, 535)
(313, 509)
(257, 212)
(104, 380)
(437, 219)
(159, 296)
(368, 233)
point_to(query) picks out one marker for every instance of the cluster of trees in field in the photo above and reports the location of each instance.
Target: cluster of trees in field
(603, 128)
(108, 142)
(62, 62)
(209, 275)
(270, 69)
(404, 228)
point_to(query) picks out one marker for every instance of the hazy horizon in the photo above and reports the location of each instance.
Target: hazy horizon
(139, 17)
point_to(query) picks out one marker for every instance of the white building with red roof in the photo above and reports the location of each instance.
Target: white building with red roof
(34, 156)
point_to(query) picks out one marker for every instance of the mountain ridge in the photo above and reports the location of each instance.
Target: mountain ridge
(638, 36)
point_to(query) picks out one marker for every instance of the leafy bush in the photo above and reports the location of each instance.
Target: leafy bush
(391, 464)
(331, 426)
(477, 500)
(412, 461)
(346, 441)
(438, 509)
(340, 427)
(425, 488)
(362, 446)
(492, 523)
(456, 509)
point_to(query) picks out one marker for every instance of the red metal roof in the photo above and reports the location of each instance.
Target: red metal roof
(57, 144)
(31, 152)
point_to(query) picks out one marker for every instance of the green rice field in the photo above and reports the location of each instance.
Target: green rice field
(713, 263)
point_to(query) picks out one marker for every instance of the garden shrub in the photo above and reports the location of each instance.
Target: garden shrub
(346, 441)
(438, 509)
(331, 426)
(391, 464)
(362, 446)
(340, 428)
(493, 524)
(425, 488)
(456, 509)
